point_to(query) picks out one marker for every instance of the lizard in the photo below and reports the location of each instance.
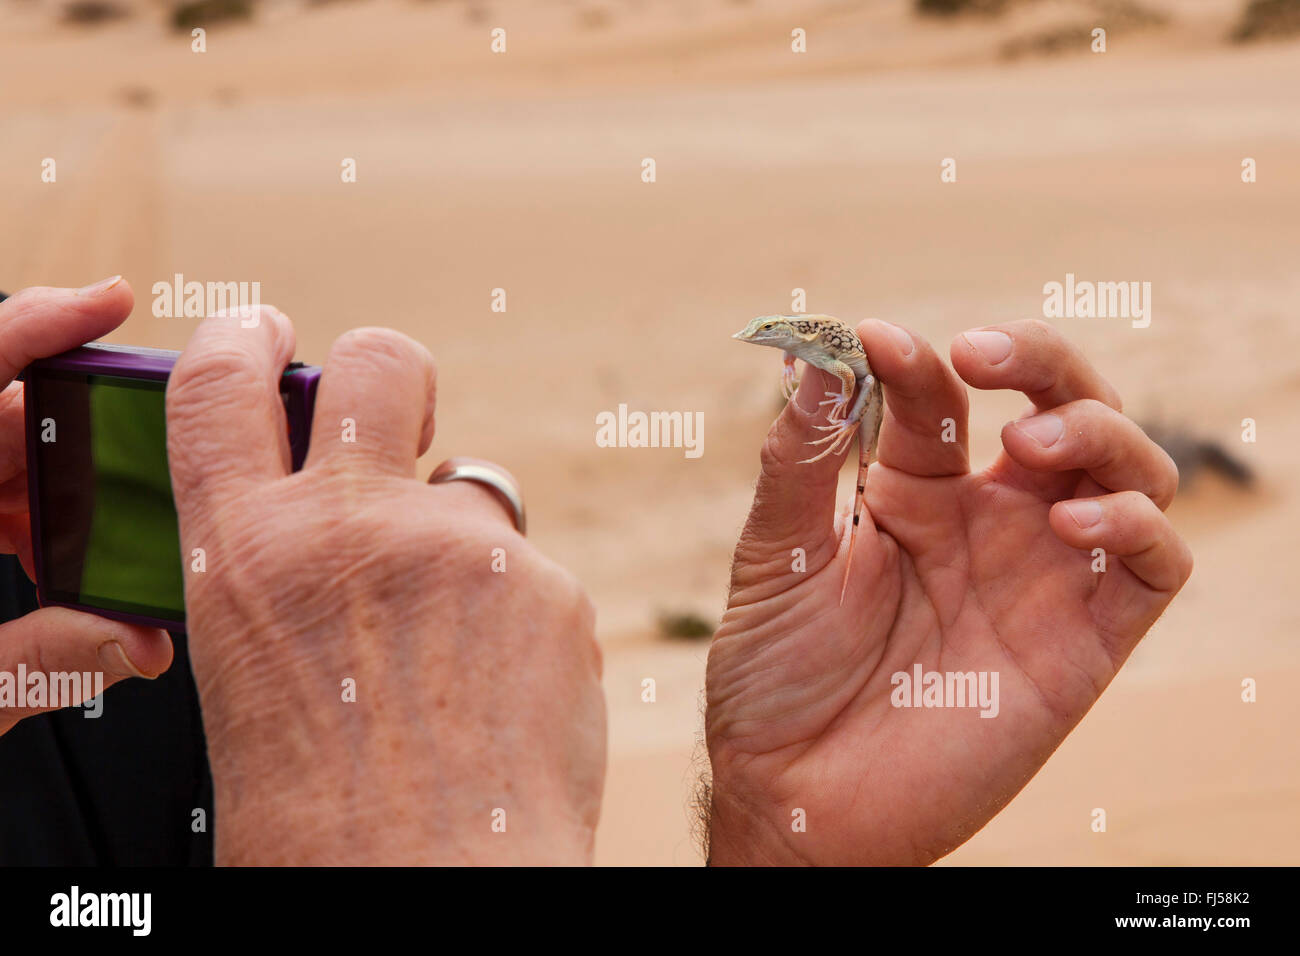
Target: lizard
(829, 344)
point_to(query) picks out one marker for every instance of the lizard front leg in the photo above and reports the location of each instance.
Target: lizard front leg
(789, 381)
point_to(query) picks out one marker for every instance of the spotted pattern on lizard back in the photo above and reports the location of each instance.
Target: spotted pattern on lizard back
(835, 334)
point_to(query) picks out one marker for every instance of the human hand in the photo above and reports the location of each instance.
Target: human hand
(954, 570)
(475, 691)
(37, 323)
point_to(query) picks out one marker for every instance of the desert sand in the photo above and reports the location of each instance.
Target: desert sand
(775, 171)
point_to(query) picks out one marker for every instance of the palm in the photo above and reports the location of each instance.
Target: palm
(961, 573)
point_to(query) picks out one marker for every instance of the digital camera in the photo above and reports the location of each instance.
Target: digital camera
(104, 527)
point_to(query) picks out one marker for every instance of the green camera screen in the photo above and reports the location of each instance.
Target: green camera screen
(108, 521)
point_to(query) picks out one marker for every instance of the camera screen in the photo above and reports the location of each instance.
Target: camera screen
(108, 522)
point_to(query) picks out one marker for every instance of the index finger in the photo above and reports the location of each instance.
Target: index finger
(225, 419)
(1031, 357)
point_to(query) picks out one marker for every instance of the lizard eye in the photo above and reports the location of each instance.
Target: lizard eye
(766, 327)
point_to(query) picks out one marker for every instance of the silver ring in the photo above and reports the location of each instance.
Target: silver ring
(485, 473)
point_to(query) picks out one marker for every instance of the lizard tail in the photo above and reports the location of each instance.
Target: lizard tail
(863, 463)
(867, 438)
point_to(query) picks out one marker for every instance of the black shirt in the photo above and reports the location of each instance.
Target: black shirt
(118, 790)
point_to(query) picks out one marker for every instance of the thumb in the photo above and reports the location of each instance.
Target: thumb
(57, 643)
(794, 502)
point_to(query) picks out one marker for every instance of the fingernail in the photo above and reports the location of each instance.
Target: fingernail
(902, 337)
(994, 346)
(1045, 429)
(1085, 513)
(100, 287)
(114, 661)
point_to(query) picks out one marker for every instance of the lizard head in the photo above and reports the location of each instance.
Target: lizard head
(773, 330)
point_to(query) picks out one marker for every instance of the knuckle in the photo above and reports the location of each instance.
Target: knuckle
(770, 455)
(381, 347)
(1131, 500)
(1041, 329)
(243, 312)
(219, 364)
(42, 300)
(565, 592)
(1092, 408)
(199, 383)
(24, 300)
(579, 611)
(1093, 425)
(260, 311)
(1137, 507)
(576, 597)
(1037, 364)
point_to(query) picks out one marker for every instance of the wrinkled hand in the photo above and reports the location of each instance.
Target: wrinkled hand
(990, 571)
(475, 692)
(37, 323)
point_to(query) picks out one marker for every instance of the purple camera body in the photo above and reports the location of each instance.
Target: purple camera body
(53, 514)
